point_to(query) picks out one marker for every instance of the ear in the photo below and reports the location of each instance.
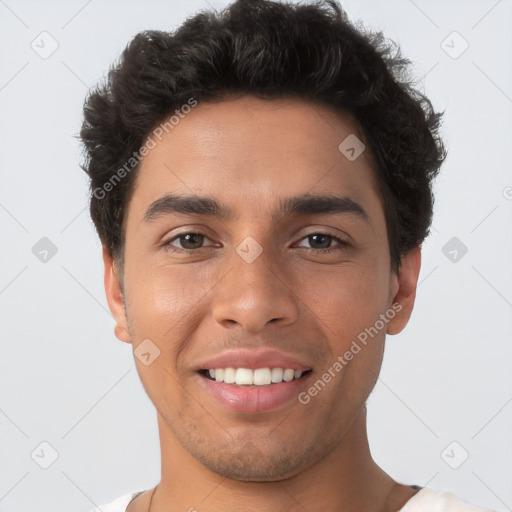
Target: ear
(115, 298)
(404, 290)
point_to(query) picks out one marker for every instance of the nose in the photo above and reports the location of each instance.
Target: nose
(255, 294)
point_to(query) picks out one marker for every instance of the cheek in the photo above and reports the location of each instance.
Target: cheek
(155, 302)
(167, 305)
(164, 292)
(347, 307)
(347, 297)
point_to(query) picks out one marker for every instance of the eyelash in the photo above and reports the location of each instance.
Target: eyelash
(168, 247)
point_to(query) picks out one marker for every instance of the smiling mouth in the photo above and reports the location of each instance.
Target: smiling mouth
(259, 377)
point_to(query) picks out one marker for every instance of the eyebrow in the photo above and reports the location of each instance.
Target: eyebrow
(306, 204)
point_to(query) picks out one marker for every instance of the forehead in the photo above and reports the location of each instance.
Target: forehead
(254, 152)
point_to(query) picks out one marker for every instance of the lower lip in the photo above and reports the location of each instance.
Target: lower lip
(255, 399)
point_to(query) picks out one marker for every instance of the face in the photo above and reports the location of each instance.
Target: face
(271, 278)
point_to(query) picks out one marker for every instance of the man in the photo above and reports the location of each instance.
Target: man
(261, 184)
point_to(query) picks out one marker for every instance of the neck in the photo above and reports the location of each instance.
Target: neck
(345, 479)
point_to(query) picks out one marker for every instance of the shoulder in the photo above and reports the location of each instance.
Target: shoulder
(428, 500)
(118, 505)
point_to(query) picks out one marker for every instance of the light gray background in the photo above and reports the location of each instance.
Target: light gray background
(67, 381)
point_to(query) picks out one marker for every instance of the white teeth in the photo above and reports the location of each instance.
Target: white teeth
(258, 377)
(288, 375)
(262, 377)
(244, 376)
(229, 375)
(277, 374)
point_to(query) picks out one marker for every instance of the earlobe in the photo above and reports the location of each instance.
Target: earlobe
(115, 297)
(405, 285)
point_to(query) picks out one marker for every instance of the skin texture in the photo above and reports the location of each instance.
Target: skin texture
(249, 153)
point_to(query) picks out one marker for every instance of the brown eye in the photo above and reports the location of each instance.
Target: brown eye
(188, 242)
(324, 240)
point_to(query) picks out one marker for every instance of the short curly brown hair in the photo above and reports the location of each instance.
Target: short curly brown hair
(270, 50)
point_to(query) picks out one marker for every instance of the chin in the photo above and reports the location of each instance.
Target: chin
(249, 464)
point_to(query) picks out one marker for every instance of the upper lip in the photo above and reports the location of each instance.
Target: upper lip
(253, 359)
